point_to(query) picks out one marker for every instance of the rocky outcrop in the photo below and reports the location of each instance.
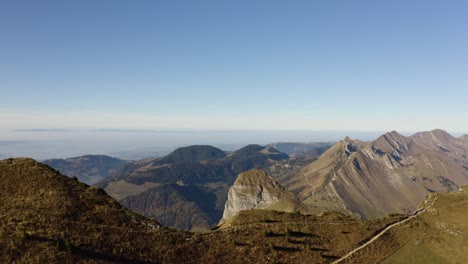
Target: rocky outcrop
(254, 189)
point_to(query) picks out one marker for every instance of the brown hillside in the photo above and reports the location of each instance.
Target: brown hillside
(437, 236)
(50, 218)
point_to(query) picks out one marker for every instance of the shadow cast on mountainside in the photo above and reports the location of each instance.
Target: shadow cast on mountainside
(318, 249)
(65, 245)
(330, 257)
(286, 249)
(301, 234)
(297, 242)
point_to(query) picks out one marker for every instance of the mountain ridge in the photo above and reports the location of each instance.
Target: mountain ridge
(212, 177)
(358, 178)
(89, 169)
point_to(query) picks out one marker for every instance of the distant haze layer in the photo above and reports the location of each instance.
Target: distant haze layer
(44, 144)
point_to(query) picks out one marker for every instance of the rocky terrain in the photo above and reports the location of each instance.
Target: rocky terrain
(89, 169)
(360, 178)
(49, 218)
(254, 189)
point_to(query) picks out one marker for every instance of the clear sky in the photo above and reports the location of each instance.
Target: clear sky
(312, 65)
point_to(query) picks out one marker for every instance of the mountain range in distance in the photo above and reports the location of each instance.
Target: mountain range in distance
(89, 169)
(188, 189)
(47, 217)
(191, 179)
(178, 186)
(361, 178)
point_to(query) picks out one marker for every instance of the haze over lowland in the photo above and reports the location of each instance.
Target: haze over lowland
(141, 144)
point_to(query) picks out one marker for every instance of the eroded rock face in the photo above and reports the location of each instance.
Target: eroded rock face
(254, 189)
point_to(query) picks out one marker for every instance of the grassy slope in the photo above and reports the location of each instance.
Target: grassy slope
(439, 235)
(47, 217)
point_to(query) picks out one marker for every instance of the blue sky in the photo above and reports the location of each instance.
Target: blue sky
(299, 65)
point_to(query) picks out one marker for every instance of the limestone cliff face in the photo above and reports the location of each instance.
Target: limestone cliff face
(254, 189)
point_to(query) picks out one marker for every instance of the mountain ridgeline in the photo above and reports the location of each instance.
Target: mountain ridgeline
(391, 174)
(311, 150)
(89, 169)
(187, 189)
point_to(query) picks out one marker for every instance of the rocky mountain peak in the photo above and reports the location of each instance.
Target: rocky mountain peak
(437, 139)
(254, 189)
(350, 146)
(391, 142)
(436, 134)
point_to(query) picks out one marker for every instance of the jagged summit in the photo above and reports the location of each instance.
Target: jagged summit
(254, 189)
(391, 141)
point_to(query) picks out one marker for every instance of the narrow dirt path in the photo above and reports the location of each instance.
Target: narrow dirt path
(418, 212)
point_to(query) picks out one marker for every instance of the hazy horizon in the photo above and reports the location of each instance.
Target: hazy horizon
(44, 144)
(227, 65)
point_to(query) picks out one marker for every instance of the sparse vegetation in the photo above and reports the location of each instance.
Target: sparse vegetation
(59, 220)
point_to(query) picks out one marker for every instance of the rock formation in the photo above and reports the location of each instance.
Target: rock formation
(254, 189)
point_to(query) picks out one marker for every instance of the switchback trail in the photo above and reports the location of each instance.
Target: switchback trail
(418, 212)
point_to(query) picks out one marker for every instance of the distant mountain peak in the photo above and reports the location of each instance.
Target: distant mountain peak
(394, 133)
(89, 169)
(436, 139)
(193, 154)
(391, 141)
(254, 149)
(437, 133)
